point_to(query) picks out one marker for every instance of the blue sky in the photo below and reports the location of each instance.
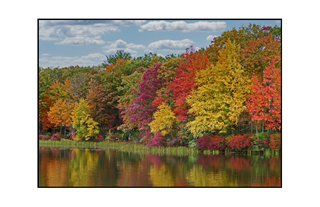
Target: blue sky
(66, 43)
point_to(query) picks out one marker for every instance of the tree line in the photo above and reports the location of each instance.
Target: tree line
(232, 86)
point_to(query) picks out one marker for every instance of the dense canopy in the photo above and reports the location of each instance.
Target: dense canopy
(233, 85)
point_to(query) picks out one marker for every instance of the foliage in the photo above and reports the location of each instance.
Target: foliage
(56, 137)
(82, 121)
(163, 120)
(114, 137)
(98, 100)
(218, 142)
(184, 81)
(120, 54)
(260, 135)
(44, 137)
(60, 113)
(234, 84)
(241, 142)
(276, 32)
(221, 95)
(157, 141)
(99, 138)
(192, 143)
(204, 143)
(242, 37)
(142, 109)
(260, 141)
(275, 141)
(265, 102)
(259, 54)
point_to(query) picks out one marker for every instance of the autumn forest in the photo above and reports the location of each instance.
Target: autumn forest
(223, 97)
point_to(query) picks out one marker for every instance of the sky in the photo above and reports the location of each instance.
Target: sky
(64, 43)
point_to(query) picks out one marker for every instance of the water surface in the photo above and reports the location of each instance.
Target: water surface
(60, 167)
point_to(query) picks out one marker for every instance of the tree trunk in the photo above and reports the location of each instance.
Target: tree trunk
(61, 129)
(256, 127)
(239, 126)
(251, 127)
(65, 130)
(262, 127)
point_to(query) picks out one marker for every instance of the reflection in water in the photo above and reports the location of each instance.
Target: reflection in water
(108, 168)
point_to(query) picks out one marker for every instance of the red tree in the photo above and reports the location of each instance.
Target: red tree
(265, 103)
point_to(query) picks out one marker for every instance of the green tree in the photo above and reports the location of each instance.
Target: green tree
(112, 59)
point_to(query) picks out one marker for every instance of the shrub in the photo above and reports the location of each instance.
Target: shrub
(56, 137)
(192, 143)
(99, 138)
(114, 137)
(240, 142)
(204, 143)
(45, 133)
(157, 141)
(44, 137)
(275, 141)
(218, 142)
(174, 142)
(260, 142)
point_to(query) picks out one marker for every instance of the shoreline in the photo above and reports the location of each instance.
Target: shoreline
(140, 148)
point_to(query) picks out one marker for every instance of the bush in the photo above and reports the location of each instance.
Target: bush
(114, 137)
(99, 138)
(275, 141)
(174, 142)
(56, 137)
(157, 141)
(45, 133)
(260, 142)
(44, 137)
(204, 143)
(218, 142)
(192, 143)
(241, 142)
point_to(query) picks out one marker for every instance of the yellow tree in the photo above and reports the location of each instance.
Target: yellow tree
(221, 94)
(61, 91)
(82, 121)
(164, 119)
(60, 114)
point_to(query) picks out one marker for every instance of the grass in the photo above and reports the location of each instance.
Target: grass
(139, 148)
(122, 146)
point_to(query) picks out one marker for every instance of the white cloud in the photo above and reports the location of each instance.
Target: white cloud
(161, 55)
(80, 40)
(278, 21)
(210, 37)
(45, 54)
(59, 32)
(148, 51)
(201, 26)
(72, 32)
(94, 59)
(47, 23)
(120, 44)
(171, 44)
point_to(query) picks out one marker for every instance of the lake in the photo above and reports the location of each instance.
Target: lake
(59, 167)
